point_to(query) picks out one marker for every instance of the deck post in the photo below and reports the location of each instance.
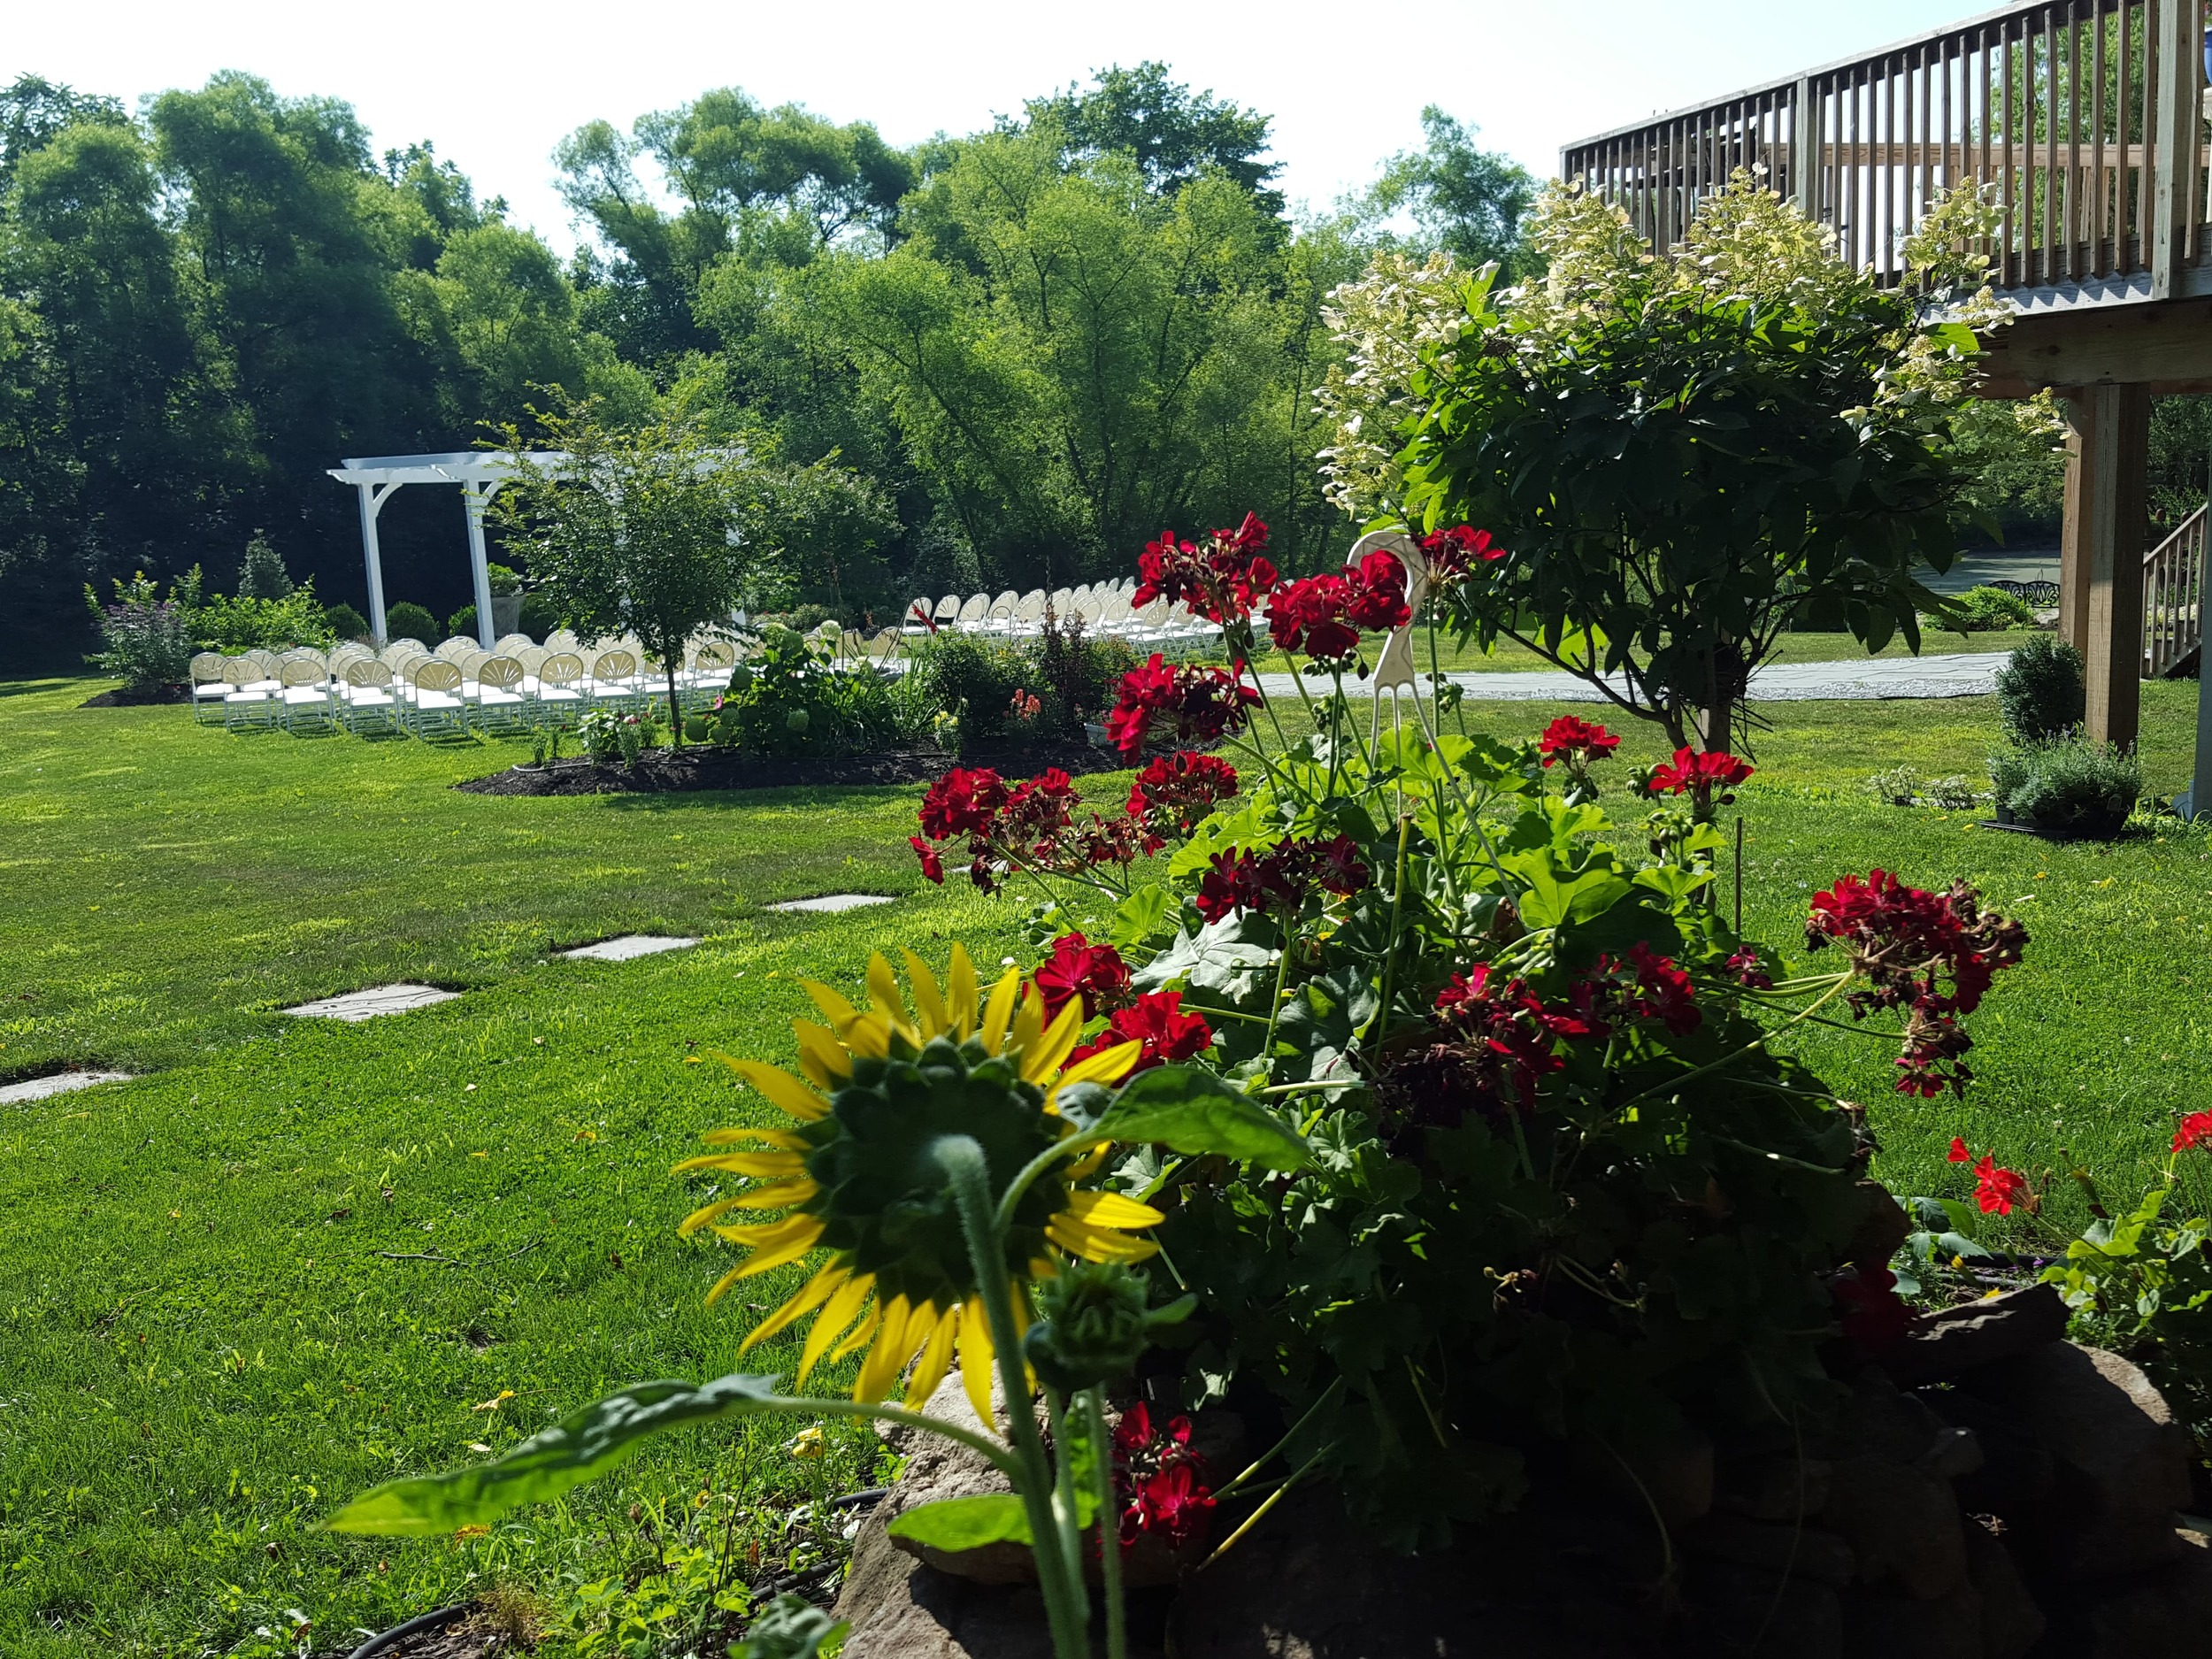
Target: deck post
(2101, 570)
(2177, 130)
(1805, 149)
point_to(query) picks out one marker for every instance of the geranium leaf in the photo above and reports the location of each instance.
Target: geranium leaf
(957, 1524)
(1196, 1113)
(580, 1447)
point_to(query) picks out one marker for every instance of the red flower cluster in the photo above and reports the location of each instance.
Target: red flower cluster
(1265, 881)
(2195, 1130)
(1995, 1190)
(1220, 579)
(1201, 702)
(1172, 793)
(1578, 742)
(1159, 1482)
(1033, 823)
(1453, 552)
(1156, 1019)
(1690, 773)
(1323, 615)
(1909, 943)
(1078, 969)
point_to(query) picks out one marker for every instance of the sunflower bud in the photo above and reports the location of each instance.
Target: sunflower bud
(1094, 1323)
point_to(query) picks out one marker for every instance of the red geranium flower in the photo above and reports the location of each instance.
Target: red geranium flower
(1172, 793)
(933, 866)
(1996, 1190)
(1221, 580)
(1575, 742)
(2195, 1130)
(1377, 598)
(1173, 1502)
(1077, 969)
(1202, 703)
(962, 802)
(1665, 991)
(1157, 1020)
(1690, 772)
(1309, 615)
(1456, 551)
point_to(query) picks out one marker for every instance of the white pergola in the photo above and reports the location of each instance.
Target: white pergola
(479, 473)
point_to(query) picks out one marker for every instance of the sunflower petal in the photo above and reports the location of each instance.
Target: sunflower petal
(961, 999)
(774, 1243)
(977, 1357)
(859, 1336)
(1108, 1065)
(1090, 1164)
(936, 1360)
(1095, 1244)
(1029, 1025)
(766, 1165)
(883, 989)
(766, 1137)
(929, 1001)
(834, 1008)
(821, 1056)
(868, 1037)
(772, 1195)
(888, 1352)
(999, 1012)
(1054, 1043)
(784, 1091)
(1111, 1210)
(836, 1315)
(812, 1295)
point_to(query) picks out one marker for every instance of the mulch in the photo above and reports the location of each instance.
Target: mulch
(695, 766)
(123, 697)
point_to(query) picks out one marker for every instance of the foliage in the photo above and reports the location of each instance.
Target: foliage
(1385, 323)
(2042, 690)
(652, 530)
(1463, 201)
(345, 623)
(504, 582)
(1687, 458)
(407, 620)
(789, 698)
(262, 575)
(243, 623)
(610, 739)
(1906, 785)
(1173, 136)
(1981, 609)
(1074, 674)
(2067, 785)
(144, 639)
(975, 681)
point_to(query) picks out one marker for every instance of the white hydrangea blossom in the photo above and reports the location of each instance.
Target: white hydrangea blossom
(1384, 321)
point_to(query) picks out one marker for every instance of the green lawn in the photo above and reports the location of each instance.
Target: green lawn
(1510, 658)
(212, 1330)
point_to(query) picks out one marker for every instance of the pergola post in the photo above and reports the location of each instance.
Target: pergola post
(475, 497)
(372, 504)
(2101, 570)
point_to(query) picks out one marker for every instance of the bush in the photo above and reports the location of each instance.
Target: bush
(262, 575)
(1076, 676)
(504, 582)
(790, 700)
(408, 620)
(346, 623)
(975, 682)
(145, 640)
(246, 623)
(799, 618)
(1982, 610)
(538, 616)
(462, 623)
(1906, 785)
(2041, 691)
(2067, 787)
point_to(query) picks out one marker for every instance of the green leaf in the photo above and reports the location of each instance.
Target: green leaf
(1140, 915)
(581, 1447)
(956, 1523)
(1194, 1112)
(790, 1628)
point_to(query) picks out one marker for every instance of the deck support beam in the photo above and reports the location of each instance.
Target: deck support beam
(2101, 570)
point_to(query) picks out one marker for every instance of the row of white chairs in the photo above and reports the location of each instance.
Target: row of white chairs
(1104, 608)
(458, 688)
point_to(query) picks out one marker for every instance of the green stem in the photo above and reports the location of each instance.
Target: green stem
(1270, 1455)
(1067, 1532)
(1094, 1404)
(1066, 1608)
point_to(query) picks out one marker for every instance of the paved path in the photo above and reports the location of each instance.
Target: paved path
(1956, 674)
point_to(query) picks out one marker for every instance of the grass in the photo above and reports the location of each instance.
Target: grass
(219, 1318)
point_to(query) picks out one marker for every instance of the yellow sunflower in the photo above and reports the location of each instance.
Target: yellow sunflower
(857, 1170)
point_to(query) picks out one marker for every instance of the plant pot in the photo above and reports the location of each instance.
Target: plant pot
(506, 615)
(1096, 732)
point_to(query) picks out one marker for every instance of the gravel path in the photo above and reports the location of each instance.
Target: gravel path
(1956, 674)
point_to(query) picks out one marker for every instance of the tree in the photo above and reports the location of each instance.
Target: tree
(1688, 457)
(1172, 134)
(1466, 201)
(650, 529)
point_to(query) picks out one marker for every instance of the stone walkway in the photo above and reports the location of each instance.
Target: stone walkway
(1954, 674)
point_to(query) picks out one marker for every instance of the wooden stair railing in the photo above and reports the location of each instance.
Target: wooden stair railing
(2173, 599)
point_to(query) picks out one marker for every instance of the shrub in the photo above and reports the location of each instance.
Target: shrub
(790, 699)
(1983, 610)
(504, 582)
(1076, 676)
(408, 620)
(799, 618)
(245, 623)
(975, 681)
(2041, 691)
(2067, 785)
(144, 641)
(345, 623)
(1905, 785)
(538, 616)
(462, 623)
(262, 575)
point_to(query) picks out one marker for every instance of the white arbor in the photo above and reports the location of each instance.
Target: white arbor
(479, 473)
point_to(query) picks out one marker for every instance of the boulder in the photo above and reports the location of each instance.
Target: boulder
(2166, 1611)
(1788, 1549)
(1902, 1526)
(1880, 1627)
(2118, 1461)
(2011, 1621)
(1744, 1613)
(1772, 1488)
(1956, 1340)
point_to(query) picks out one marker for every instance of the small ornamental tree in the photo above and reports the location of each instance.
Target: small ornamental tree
(1689, 457)
(641, 529)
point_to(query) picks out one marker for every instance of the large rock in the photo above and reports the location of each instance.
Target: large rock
(1745, 1613)
(2012, 1624)
(2166, 1612)
(1877, 1625)
(1773, 1488)
(1304, 1584)
(1956, 1340)
(1786, 1548)
(2117, 1461)
(1902, 1526)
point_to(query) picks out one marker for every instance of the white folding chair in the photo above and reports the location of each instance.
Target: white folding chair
(396, 651)
(366, 697)
(458, 647)
(436, 705)
(499, 701)
(305, 698)
(969, 617)
(209, 688)
(563, 639)
(252, 700)
(614, 681)
(512, 644)
(559, 700)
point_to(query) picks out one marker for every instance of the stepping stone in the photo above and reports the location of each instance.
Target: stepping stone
(835, 902)
(626, 948)
(57, 1083)
(356, 1006)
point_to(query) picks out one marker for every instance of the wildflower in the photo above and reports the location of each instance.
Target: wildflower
(1578, 742)
(2195, 1130)
(808, 1442)
(1203, 703)
(1079, 970)
(1155, 1021)
(859, 1179)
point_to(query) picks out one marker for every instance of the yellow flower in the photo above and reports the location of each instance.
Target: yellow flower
(857, 1172)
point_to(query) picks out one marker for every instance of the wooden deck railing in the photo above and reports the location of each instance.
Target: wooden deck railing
(2173, 598)
(2072, 112)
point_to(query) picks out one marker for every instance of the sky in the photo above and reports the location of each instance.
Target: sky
(496, 87)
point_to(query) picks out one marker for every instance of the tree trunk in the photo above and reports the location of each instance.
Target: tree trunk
(675, 704)
(1714, 719)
